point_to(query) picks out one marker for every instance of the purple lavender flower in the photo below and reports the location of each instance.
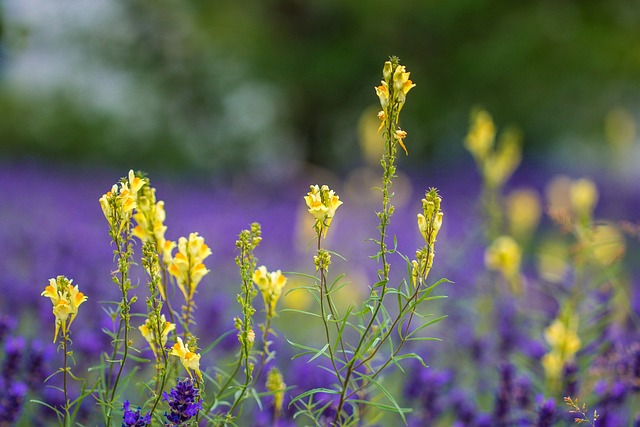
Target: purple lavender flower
(14, 350)
(546, 412)
(11, 400)
(134, 418)
(184, 401)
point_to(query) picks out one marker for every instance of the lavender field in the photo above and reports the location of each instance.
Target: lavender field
(523, 330)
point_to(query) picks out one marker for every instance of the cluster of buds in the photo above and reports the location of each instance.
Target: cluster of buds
(322, 203)
(496, 163)
(189, 359)
(156, 330)
(563, 339)
(270, 285)
(187, 265)
(429, 224)
(118, 203)
(392, 93)
(66, 299)
(322, 260)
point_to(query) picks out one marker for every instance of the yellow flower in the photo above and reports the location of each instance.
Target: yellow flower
(65, 299)
(504, 255)
(583, 195)
(276, 385)
(481, 136)
(187, 266)
(322, 204)
(564, 343)
(118, 203)
(383, 94)
(400, 136)
(270, 285)
(147, 332)
(189, 359)
(562, 339)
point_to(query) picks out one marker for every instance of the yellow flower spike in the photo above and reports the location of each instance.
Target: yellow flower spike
(276, 385)
(189, 359)
(187, 266)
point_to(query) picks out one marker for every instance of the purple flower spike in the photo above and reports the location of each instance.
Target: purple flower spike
(11, 400)
(133, 418)
(184, 401)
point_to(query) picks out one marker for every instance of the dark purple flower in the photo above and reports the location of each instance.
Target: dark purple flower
(13, 350)
(134, 418)
(11, 400)
(504, 394)
(184, 401)
(546, 412)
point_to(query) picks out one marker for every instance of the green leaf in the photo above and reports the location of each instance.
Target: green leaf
(389, 396)
(319, 353)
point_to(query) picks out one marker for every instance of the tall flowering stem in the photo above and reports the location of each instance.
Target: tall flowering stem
(66, 300)
(156, 328)
(392, 94)
(248, 241)
(322, 203)
(118, 206)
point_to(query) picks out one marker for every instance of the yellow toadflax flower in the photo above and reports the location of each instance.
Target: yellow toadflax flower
(270, 285)
(187, 265)
(66, 299)
(504, 255)
(118, 203)
(276, 385)
(392, 93)
(147, 332)
(322, 204)
(189, 359)
(564, 343)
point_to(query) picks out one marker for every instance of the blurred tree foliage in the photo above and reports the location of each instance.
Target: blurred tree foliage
(231, 85)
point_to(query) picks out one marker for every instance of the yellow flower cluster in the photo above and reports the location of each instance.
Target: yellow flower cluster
(187, 265)
(270, 285)
(118, 204)
(322, 204)
(189, 359)
(147, 332)
(150, 216)
(392, 93)
(429, 224)
(430, 220)
(498, 163)
(563, 339)
(66, 299)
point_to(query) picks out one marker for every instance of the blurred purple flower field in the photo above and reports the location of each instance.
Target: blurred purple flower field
(486, 371)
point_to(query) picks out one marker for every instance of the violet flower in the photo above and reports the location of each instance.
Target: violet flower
(184, 401)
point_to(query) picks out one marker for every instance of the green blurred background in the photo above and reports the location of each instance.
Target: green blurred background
(266, 87)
